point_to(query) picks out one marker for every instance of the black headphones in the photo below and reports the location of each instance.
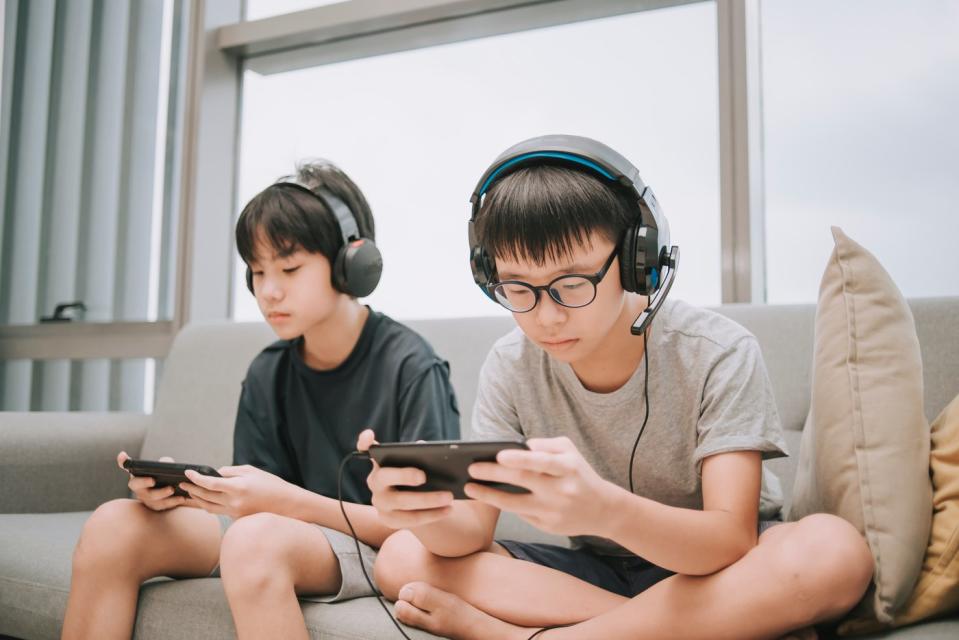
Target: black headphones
(644, 251)
(358, 265)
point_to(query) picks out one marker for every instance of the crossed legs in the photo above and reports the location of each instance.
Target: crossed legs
(799, 574)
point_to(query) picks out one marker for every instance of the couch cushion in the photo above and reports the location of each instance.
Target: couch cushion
(937, 325)
(35, 557)
(788, 361)
(865, 448)
(464, 343)
(200, 390)
(35, 552)
(198, 609)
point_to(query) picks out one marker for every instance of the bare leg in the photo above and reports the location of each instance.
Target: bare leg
(265, 561)
(123, 544)
(533, 595)
(799, 574)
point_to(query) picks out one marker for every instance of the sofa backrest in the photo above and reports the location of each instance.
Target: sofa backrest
(785, 334)
(199, 390)
(200, 386)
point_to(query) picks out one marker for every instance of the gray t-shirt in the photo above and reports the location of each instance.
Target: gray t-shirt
(709, 393)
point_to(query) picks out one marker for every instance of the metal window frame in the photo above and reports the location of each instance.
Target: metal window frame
(363, 28)
(221, 43)
(742, 195)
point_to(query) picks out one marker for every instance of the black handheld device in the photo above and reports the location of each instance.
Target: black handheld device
(167, 474)
(446, 462)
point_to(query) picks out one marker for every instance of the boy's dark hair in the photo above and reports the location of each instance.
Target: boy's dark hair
(291, 219)
(542, 212)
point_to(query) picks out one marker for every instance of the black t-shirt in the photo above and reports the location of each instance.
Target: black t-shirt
(297, 422)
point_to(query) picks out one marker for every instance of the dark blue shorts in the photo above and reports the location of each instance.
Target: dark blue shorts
(627, 576)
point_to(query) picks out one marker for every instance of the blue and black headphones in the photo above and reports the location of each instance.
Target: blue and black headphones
(358, 265)
(647, 261)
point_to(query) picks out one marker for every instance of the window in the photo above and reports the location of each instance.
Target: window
(92, 108)
(860, 101)
(416, 129)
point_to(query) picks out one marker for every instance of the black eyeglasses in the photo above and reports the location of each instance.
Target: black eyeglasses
(572, 290)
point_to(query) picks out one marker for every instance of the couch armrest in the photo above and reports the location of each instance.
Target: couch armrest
(52, 461)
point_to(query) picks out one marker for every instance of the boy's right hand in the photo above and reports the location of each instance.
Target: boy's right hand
(157, 499)
(403, 509)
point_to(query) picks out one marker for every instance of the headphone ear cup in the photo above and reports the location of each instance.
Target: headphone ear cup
(358, 268)
(249, 280)
(627, 261)
(483, 269)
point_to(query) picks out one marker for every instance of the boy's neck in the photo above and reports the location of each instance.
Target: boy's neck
(327, 345)
(614, 362)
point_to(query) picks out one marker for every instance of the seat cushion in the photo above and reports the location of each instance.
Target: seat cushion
(35, 557)
(35, 553)
(198, 609)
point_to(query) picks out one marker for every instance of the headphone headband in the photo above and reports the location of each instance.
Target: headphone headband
(586, 152)
(349, 228)
(583, 152)
(645, 248)
(543, 154)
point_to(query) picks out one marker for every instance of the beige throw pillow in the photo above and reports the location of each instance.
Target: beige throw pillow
(937, 592)
(865, 445)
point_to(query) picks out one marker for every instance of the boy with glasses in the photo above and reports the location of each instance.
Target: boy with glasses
(646, 450)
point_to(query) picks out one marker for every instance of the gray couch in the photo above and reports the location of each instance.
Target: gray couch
(56, 467)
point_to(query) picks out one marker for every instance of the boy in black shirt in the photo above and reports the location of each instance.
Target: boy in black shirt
(337, 368)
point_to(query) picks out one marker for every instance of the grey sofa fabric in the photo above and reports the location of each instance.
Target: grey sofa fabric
(43, 504)
(52, 462)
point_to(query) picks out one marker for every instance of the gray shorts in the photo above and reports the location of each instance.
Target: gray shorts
(354, 585)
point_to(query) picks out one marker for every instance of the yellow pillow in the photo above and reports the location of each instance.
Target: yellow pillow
(865, 447)
(937, 592)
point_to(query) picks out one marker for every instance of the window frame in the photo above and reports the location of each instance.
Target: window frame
(221, 43)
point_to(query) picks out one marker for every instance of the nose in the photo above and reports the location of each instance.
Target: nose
(270, 289)
(548, 312)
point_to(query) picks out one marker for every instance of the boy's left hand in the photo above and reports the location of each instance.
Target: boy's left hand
(567, 497)
(242, 491)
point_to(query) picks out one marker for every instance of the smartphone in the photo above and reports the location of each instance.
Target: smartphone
(446, 462)
(167, 474)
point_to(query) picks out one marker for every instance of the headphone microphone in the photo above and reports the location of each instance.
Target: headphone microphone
(641, 323)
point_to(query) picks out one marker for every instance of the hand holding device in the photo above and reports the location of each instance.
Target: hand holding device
(446, 462)
(565, 494)
(410, 496)
(238, 491)
(155, 482)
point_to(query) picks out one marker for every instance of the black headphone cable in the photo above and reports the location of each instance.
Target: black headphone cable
(359, 554)
(632, 456)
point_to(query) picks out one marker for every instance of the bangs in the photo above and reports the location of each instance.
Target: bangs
(287, 220)
(543, 213)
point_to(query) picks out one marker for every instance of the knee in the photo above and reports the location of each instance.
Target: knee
(828, 565)
(252, 556)
(112, 538)
(402, 559)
